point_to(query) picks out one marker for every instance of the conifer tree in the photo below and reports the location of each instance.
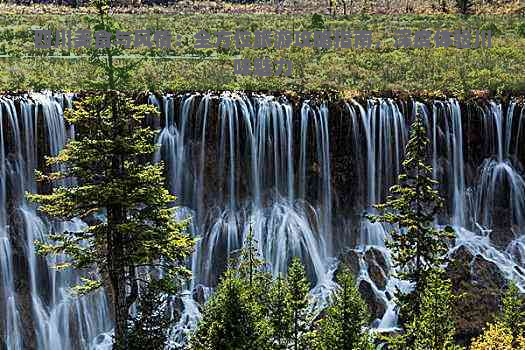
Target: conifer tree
(148, 328)
(236, 317)
(417, 246)
(231, 320)
(249, 263)
(297, 300)
(343, 327)
(434, 327)
(280, 315)
(109, 160)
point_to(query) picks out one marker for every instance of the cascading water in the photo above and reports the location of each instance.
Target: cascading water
(269, 165)
(40, 311)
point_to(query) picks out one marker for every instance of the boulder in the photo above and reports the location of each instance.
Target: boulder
(501, 237)
(377, 267)
(199, 294)
(376, 305)
(487, 274)
(480, 284)
(349, 258)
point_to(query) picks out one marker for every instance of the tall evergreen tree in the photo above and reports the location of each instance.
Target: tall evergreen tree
(279, 314)
(109, 160)
(236, 317)
(249, 263)
(297, 300)
(434, 327)
(149, 327)
(343, 327)
(231, 320)
(417, 246)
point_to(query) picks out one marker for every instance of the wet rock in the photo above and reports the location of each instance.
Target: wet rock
(487, 274)
(374, 254)
(177, 307)
(350, 258)
(376, 306)
(377, 267)
(199, 294)
(501, 237)
(502, 232)
(92, 220)
(377, 275)
(375, 261)
(480, 284)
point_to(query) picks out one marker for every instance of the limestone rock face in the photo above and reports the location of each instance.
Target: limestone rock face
(376, 306)
(481, 283)
(350, 258)
(377, 267)
(374, 261)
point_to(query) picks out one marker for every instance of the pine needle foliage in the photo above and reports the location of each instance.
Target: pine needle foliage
(231, 319)
(110, 162)
(280, 314)
(148, 328)
(434, 327)
(513, 315)
(345, 321)
(298, 300)
(417, 246)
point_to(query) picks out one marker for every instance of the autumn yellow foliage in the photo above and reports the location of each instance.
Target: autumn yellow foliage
(497, 337)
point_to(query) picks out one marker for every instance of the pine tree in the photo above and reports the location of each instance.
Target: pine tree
(343, 327)
(231, 319)
(434, 327)
(297, 300)
(109, 159)
(249, 263)
(148, 328)
(417, 246)
(279, 314)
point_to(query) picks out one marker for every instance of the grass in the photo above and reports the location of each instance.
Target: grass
(502, 67)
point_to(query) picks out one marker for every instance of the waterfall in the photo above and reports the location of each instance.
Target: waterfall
(58, 319)
(299, 173)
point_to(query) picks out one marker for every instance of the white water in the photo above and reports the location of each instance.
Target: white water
(262, 163)
(60, 320)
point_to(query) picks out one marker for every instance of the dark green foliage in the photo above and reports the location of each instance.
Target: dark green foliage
(256, 312)
(149, 328)
(249, 262)
(464, 6)
(343, 327)
(236, 317)
(280, 315)
(417, 246)
(231, 319)
(110, 161)
(317, 22)
(521, 29)
(434, 327)
(297, 300)
(513, 315)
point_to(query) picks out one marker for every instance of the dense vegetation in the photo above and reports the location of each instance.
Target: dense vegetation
(245, 314)
(250, 309)
(104, 172)
(185, 68)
